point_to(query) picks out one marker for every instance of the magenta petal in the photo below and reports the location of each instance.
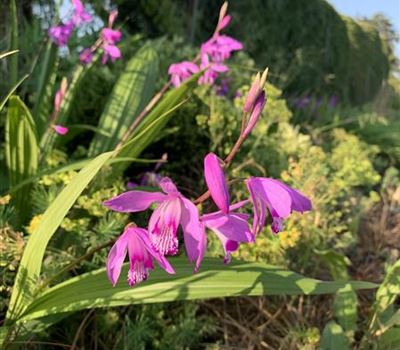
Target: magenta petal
(216, 183)
(233, 226)
(259, 209)
(274, 194)
(193, 232)
(133, 201)
(300, 202)
(116, 258)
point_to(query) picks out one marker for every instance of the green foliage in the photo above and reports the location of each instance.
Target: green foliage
(333, 337)
(130, 95)
(94, 290)
(21, 152)
(30, 266)
(45, 88)
(13, 42)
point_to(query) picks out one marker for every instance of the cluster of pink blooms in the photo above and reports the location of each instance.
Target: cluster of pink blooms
(108, 37)
(174, 210)
(212, 55)
(61, 34)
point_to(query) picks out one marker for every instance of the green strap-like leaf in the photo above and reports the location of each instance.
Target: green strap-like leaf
(168, 104)
(213, 280)
(12, 90)
(130, 94)
(28, 273)
(21, 151)
(13, 42)
(45, 88)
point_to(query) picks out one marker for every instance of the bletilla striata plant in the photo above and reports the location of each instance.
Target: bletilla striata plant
(173, 210)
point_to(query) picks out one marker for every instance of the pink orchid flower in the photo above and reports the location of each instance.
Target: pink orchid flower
(134, 241)
(181, 71)
(86, 56)
(231, 228)
(109, 38)
(280, 200)
(220, 47)
(60, 34)
(60, 130)
(80, 14)
(173, 210)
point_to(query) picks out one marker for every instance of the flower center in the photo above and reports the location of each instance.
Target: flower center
(137, 273)
(164, 240)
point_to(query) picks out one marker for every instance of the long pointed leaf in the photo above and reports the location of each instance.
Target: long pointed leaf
(12, 90)
(21, 151)
(31, 262)
(130, 94)
(214, 280)
(13, 42)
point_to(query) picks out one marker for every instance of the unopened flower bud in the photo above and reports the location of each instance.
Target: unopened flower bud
(252, 94)
(255, 114)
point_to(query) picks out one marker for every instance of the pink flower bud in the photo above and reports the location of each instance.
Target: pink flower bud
(252, 95)
(60, 130)
(60, 94)
(255, 114)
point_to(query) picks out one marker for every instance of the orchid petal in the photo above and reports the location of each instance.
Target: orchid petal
(134, 201)
(216, 183)
(233, 226)
(194, 233)
(116, 258)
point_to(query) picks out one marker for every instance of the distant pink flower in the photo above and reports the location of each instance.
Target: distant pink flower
(111, 52)
(173, 210)
(181, 71)
(215, 179)
(86, 56)
(80, 15)
(278, 198)
(211, 70)
(60, 130)
(220, 47)
(136, 243)
(60, 34)
(109, 38)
